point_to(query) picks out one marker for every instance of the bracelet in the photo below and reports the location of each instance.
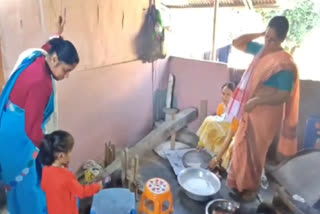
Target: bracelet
(217, 160)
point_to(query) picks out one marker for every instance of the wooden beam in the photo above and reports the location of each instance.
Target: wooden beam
(262, 6)
(187, 137)
(248, 4)
(203, 110)
(156, 136)
(266, 6)
(215, 15)
(226, 5)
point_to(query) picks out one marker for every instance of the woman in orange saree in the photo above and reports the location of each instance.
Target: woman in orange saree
(266, 102)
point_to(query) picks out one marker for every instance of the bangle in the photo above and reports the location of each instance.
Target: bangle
(217, 159)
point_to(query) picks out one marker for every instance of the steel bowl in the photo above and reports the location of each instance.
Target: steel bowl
(196, 159)
(222, 206)
(199, 184)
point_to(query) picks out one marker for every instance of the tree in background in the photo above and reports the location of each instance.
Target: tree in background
(303, 17)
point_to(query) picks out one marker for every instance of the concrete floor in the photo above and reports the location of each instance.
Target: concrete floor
(153, 166)
(4, 211)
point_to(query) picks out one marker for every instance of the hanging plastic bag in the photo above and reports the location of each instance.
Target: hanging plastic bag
(150, 43)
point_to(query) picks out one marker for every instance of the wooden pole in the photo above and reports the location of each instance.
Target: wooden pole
(216, 5)
(248, 4)
(113, 151)
(173, 140)
(106, 155)
(136, 168)
(132, 176)
(203, 110)
(125, 166)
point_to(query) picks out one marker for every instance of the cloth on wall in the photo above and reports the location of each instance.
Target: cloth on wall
(223, 54)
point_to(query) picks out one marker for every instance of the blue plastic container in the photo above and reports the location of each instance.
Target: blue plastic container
(114, 201)
(311, 136)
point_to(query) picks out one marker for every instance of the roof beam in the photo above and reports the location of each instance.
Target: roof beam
(224, 6)
(248, 4)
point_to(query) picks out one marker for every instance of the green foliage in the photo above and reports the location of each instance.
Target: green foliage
(303, 17)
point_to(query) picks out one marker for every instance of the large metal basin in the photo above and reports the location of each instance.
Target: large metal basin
(199, 184)
(221, 206)
(195, 159)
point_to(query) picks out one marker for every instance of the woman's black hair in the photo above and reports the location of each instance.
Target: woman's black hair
(281, 25)
(229, 85)
(65, 51)
(54, 143)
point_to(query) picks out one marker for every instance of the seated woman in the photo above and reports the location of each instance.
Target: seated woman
(215, 133)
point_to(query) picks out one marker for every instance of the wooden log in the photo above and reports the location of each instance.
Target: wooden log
(135, 174)
(106, 155)
(123, 162)
(188, 137)
(113, 151)
(126, 166)
(110, 153)
(131, 177)
(157, 136)
(136, 167)
(203, 110)
(173, 140)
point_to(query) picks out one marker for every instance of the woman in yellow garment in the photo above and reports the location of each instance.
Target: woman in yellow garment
(215, 133)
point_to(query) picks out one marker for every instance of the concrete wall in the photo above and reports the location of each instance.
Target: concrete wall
(103, 31)
(113, 103)
(109, 96)
(197, 80)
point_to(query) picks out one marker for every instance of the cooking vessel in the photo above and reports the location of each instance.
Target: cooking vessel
(199, 184)
(222, 206)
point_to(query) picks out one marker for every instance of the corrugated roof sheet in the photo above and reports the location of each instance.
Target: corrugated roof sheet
(222, 3)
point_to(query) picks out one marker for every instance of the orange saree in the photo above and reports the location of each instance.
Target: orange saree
(258, 128)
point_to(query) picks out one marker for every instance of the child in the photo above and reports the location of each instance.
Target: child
(59, 184)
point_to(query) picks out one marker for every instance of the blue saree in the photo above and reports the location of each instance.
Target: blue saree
(20, 169)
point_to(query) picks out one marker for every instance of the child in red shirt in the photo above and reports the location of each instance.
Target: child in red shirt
(59, 184)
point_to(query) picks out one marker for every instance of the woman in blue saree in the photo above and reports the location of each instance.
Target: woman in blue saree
(26, 104)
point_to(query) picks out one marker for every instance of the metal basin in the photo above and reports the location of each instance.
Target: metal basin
(194, 158)
(199, 184)
(221, 206)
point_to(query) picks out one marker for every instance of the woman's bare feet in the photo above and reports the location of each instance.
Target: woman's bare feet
(244, 196)
(249, 195)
